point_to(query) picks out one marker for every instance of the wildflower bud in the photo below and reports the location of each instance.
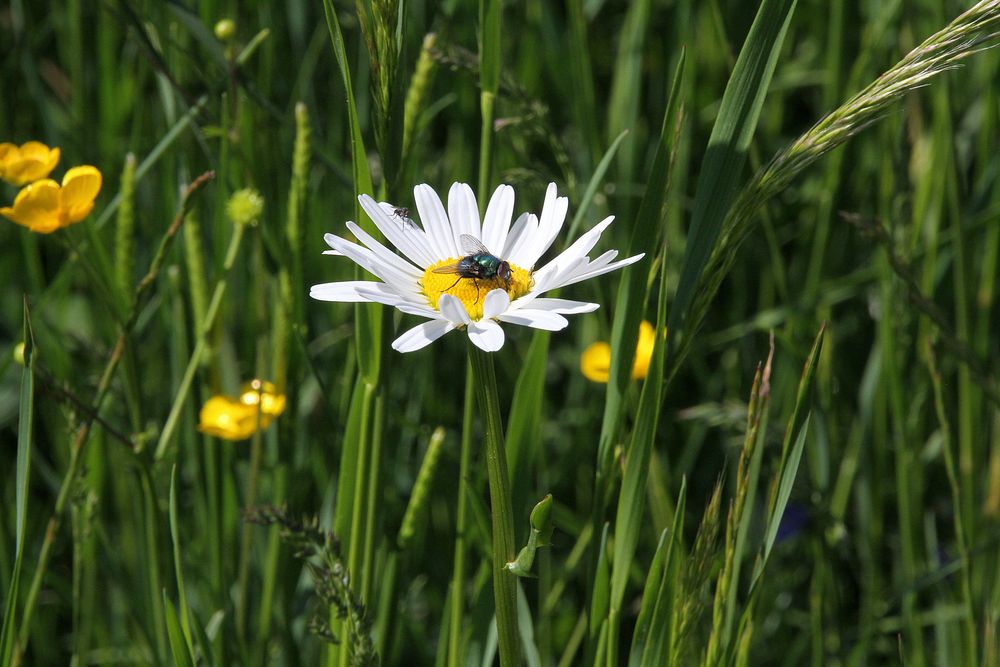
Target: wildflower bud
(225, 30)
(18, 353)
(245, 206)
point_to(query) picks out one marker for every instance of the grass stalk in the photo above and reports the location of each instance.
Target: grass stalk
(457, 586)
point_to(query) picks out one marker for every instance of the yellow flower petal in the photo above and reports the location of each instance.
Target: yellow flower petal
(36, 207)
(31, 162)
(7, 153)
(595, 362)
(272, 404)
(80, 187)
(227, 418)
(643, 350)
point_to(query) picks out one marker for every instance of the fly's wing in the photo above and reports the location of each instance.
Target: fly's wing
(450, 268)
(473, 246)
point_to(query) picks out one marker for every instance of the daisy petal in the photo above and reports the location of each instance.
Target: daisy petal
(453, 309)
(436, 224)
(579, 249)
(495, 303)
(412, 242)
(538, 319)
(564, 306)
(366, 259)
(593, 273)
(383, 253)
(463, 211)
(421, 335)
(487, 335)
(520, 239)
(344, 292)
(553, 215)
(497, 222)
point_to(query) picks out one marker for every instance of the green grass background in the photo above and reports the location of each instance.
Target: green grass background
(888, 551)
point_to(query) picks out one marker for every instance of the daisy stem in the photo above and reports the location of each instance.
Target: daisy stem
(501, 506)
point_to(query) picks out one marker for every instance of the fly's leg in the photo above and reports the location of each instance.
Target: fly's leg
(476, 284)
(454, 283)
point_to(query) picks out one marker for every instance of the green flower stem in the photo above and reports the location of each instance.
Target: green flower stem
(458, 571)
(501, 506)
(199, 349)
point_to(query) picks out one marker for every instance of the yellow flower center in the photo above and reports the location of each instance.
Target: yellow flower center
(472, 291)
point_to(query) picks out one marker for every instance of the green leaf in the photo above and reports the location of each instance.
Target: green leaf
(25, 439)
(368, 316)
(178, 565)
(629, 304)
(595, 181)
(600, 598)
(179, 648)
(490, 16)
(632, 494)
(524, 424)
(727, 148)
(651, 639)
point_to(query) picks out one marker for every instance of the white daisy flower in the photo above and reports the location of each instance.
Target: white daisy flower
(428, 279)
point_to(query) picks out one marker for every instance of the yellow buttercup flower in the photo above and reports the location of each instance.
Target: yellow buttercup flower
(237, 418)
(227, 418)
(264, 393)
(29, 162)
(45, 206)
(595, 362)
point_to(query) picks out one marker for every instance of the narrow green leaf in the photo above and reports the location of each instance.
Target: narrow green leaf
(524, 423)
(490, 15)
(595, 181)
(651, 637)
(626, 85)
(179, 648)
(178, 565)
(787, 478)
(368, 316)
(646, 232)
(727, 146)
(601, 595)
(25, 418)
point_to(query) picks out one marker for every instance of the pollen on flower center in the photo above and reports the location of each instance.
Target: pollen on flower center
(471, 292)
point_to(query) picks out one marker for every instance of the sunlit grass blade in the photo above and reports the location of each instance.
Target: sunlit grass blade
(721, 171)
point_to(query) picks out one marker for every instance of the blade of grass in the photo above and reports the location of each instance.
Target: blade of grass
(632, 496)
(178, 646)
(651, 638)
(727, 148)
(630, 300)
(595, 181)
(490, 18)
(25, 418)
